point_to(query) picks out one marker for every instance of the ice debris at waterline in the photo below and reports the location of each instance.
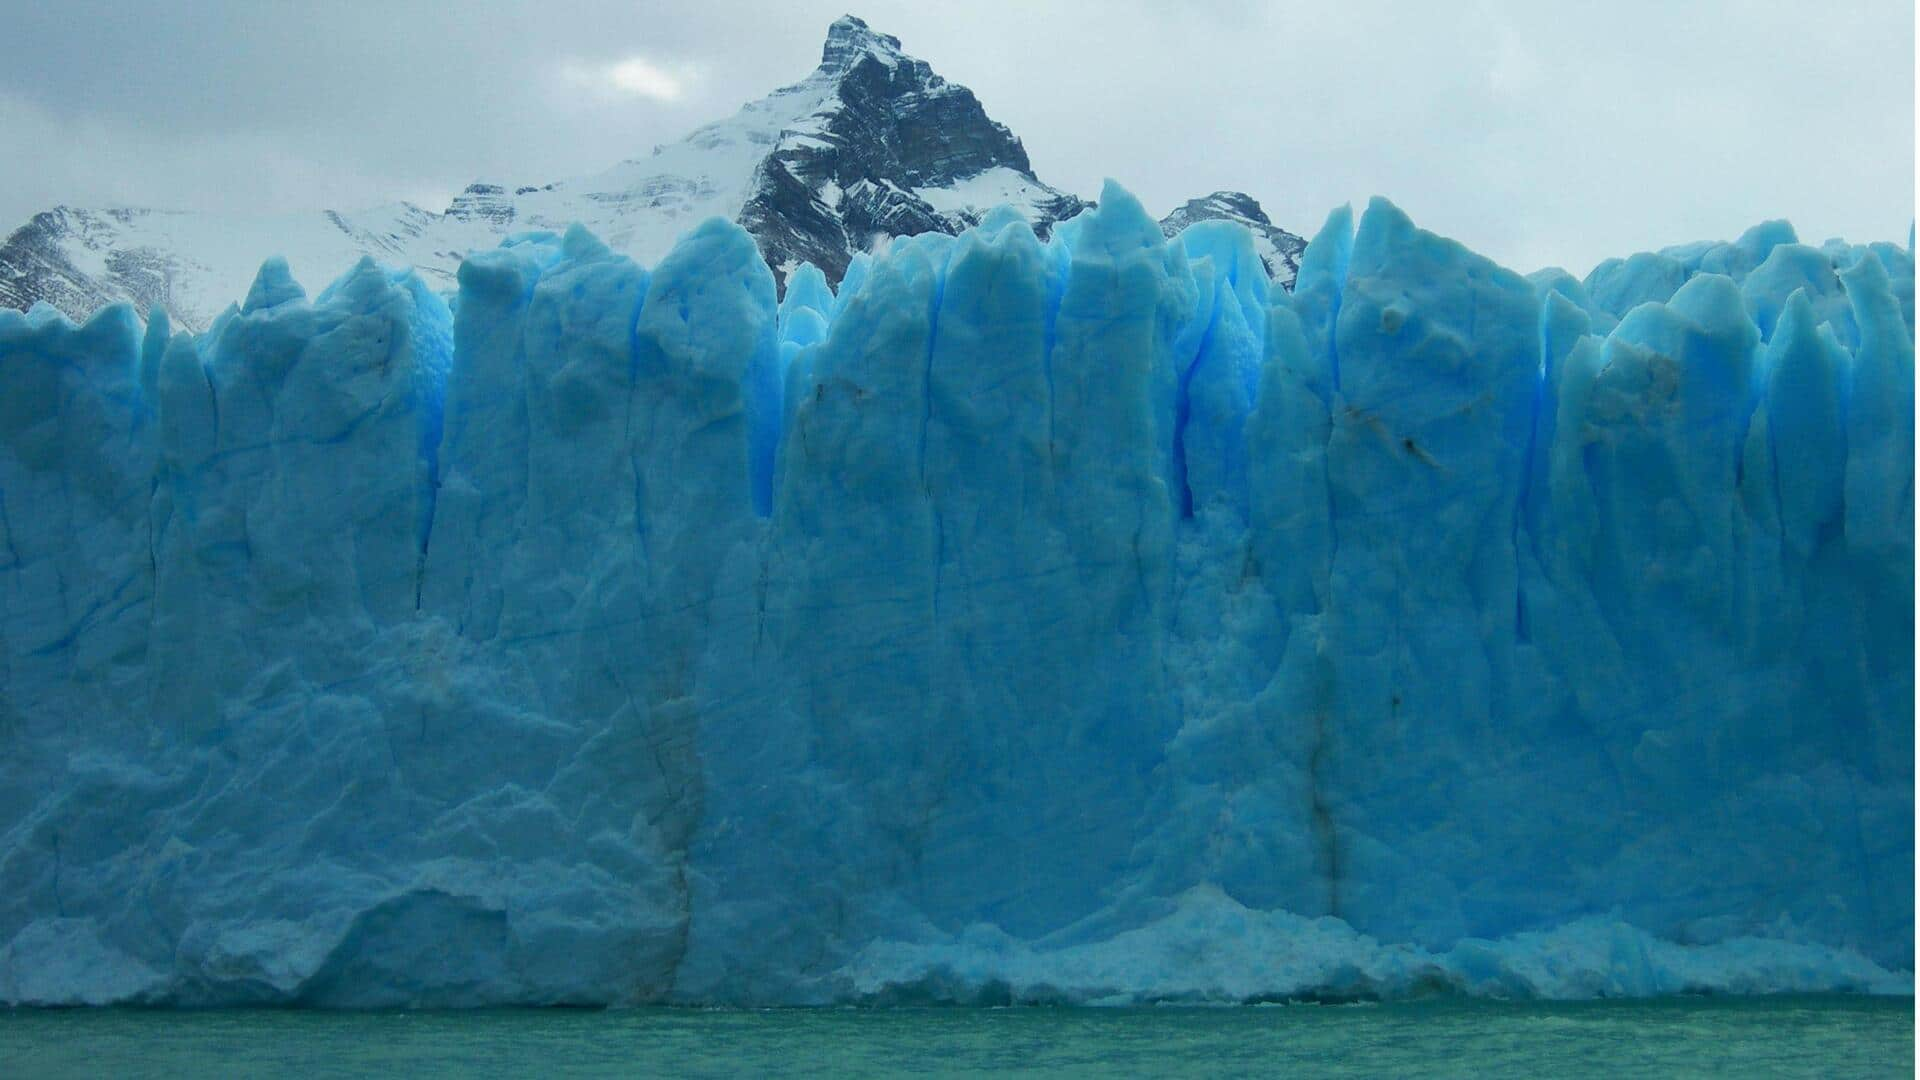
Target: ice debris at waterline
(1080, 621)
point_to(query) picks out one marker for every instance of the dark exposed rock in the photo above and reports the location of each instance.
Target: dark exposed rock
(1279, 249)
(873, 144)
(488, 202)
(36, 265)
(894, 127)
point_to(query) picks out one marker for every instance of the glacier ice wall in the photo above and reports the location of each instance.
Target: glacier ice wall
(1081, 620)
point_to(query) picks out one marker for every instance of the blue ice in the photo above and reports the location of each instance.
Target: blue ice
(1078, 620)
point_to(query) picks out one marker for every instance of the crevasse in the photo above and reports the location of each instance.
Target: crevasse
(1078, 621)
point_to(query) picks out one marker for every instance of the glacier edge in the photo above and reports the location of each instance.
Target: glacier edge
(1071, 620)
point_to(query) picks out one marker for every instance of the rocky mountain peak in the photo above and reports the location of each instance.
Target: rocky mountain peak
(482, 201)
(1279, 249)
(850, 39)
(1223, 204)
(871, 144)
(898, 150)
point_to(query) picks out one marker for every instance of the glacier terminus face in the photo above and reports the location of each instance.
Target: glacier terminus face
(1087, 619)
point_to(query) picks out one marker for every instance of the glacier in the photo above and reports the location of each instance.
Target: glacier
(1084, 620)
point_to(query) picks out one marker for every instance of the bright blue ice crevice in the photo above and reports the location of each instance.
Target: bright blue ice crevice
(1219, 354)
(1083, 620)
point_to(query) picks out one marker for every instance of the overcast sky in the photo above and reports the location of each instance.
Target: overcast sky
(1538, 132)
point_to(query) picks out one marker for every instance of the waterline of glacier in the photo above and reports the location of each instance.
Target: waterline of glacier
(1771, 1036)
(1072, 621)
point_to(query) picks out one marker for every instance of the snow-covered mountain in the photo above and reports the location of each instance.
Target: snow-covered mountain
(872, 144)
(1279, 249)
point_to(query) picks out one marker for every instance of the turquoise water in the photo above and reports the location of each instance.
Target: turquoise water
(1747, 1037)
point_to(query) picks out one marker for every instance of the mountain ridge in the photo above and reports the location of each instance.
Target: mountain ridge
(873, 143)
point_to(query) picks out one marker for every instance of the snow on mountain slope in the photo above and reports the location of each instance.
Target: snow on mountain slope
(193, 264)
(1279, 250)
(872, 144)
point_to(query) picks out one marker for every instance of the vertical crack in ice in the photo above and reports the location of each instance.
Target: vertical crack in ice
(1057, 274)
(1326, 841)
(6, 528)
(1523, 503)
(1323, 826)
(59, 898)
(679, 819)
(1335, 415)
(926, 423)
(430, 501)
(213, 403)
(1183, 405)
(642, 524)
